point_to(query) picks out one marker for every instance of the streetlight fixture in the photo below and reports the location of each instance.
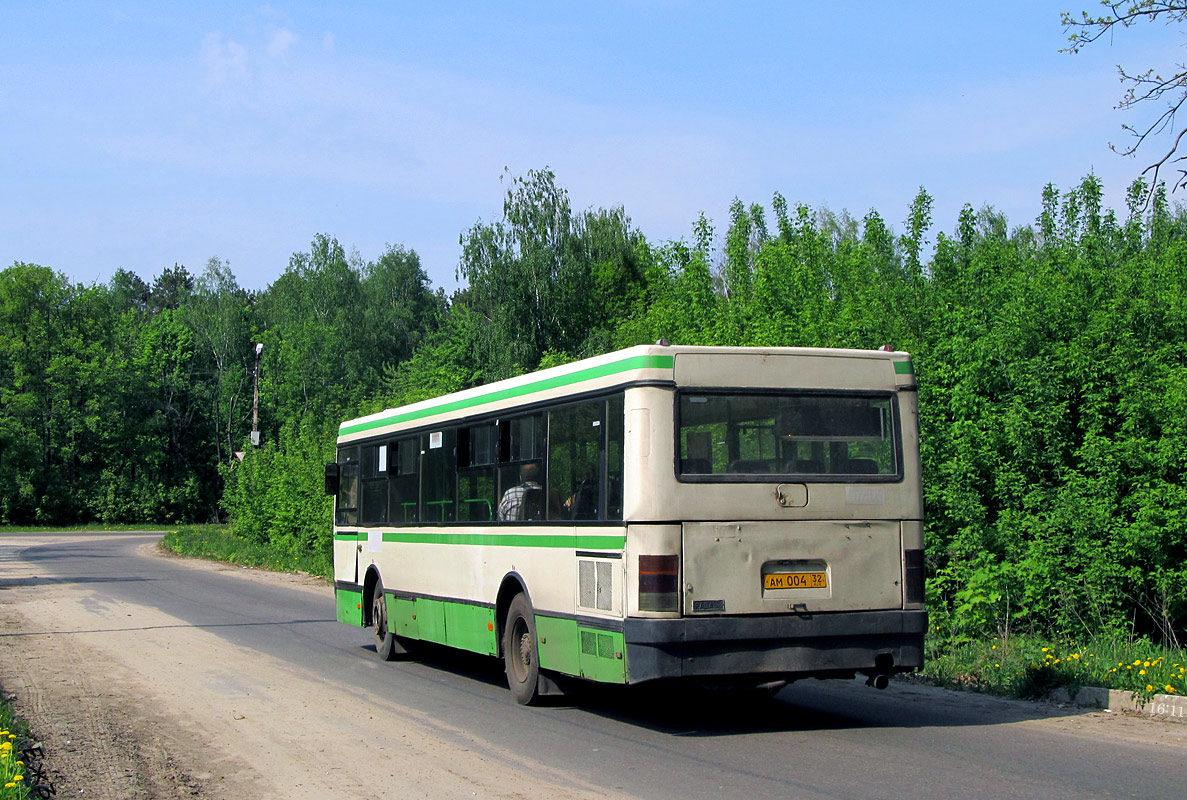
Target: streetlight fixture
(255, 400)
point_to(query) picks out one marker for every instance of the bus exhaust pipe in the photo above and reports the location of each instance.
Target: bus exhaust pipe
(879, 681)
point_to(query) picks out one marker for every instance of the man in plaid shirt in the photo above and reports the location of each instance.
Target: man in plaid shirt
(512, 506)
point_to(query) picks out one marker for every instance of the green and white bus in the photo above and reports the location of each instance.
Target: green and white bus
(722, 514)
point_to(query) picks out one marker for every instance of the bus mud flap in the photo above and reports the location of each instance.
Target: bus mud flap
(547, 687)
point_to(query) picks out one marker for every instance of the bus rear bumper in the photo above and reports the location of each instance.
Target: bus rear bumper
(786, 647)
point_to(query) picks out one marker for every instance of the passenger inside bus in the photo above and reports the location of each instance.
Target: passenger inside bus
(525, 500)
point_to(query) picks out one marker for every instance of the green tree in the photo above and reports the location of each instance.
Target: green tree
(218, 313)
(545, 280)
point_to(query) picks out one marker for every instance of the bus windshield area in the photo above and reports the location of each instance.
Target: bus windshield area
(741, 436)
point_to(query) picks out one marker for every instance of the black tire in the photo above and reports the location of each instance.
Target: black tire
(520, 652)
(385, 641)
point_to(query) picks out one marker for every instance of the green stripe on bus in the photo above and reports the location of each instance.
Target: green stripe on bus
(346, 537)
(587, 374)
(563, 540)
(903, 368)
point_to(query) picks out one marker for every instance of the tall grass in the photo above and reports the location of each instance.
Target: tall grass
(1031, 667)
(220, 543)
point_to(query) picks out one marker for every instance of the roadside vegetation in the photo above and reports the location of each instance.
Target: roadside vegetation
(15, 774)
(221, 543)
(78, 527)
(1031, 667)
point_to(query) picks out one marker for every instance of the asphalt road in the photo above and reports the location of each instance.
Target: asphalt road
(813, 740)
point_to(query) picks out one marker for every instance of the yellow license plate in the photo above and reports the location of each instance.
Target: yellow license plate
(795, 580)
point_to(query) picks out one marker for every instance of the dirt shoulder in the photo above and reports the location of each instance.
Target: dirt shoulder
(133, 703)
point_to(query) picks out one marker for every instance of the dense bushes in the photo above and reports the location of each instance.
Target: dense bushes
(275, 495)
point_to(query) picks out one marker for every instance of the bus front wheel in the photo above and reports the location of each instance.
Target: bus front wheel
(385, 640)
(520, 653)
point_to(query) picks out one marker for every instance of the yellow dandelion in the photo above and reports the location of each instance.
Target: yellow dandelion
(1146, 664)
(1182, 670)
(18, 777)
(1170, 689)
(999, 666)
(994, 647)
(1149, 688)
(1137, 663)
(1056, 661)
(20, 763)
(10, 785)
(1045, 649)
(1141, 672)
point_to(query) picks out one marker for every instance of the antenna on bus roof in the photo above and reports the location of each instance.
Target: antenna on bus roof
(662, 342)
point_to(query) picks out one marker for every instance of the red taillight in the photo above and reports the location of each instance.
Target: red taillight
(659, 583)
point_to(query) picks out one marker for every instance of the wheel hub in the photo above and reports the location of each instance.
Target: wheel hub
(525, 649)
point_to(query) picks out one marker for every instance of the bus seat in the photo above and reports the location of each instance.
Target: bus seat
(533, 504)
(585, 500)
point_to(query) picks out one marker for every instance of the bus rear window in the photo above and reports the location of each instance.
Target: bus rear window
(778, 436)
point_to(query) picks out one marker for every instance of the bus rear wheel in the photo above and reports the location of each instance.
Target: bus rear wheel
(520, 653)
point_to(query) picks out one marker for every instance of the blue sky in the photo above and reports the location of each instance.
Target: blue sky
(139, 135)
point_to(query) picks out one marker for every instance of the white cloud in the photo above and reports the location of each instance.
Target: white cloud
(225, 60)
(280, 41)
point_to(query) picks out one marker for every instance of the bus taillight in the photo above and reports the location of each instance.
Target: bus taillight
(659, 583)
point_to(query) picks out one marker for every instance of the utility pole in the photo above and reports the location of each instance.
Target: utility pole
(255, 400)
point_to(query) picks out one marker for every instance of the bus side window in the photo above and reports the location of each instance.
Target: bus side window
(347, 502)
(438, 476)
(476, 472)
(615, 446)
(521, 469)
(404, 481)
(574, 460)
(374, 495)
